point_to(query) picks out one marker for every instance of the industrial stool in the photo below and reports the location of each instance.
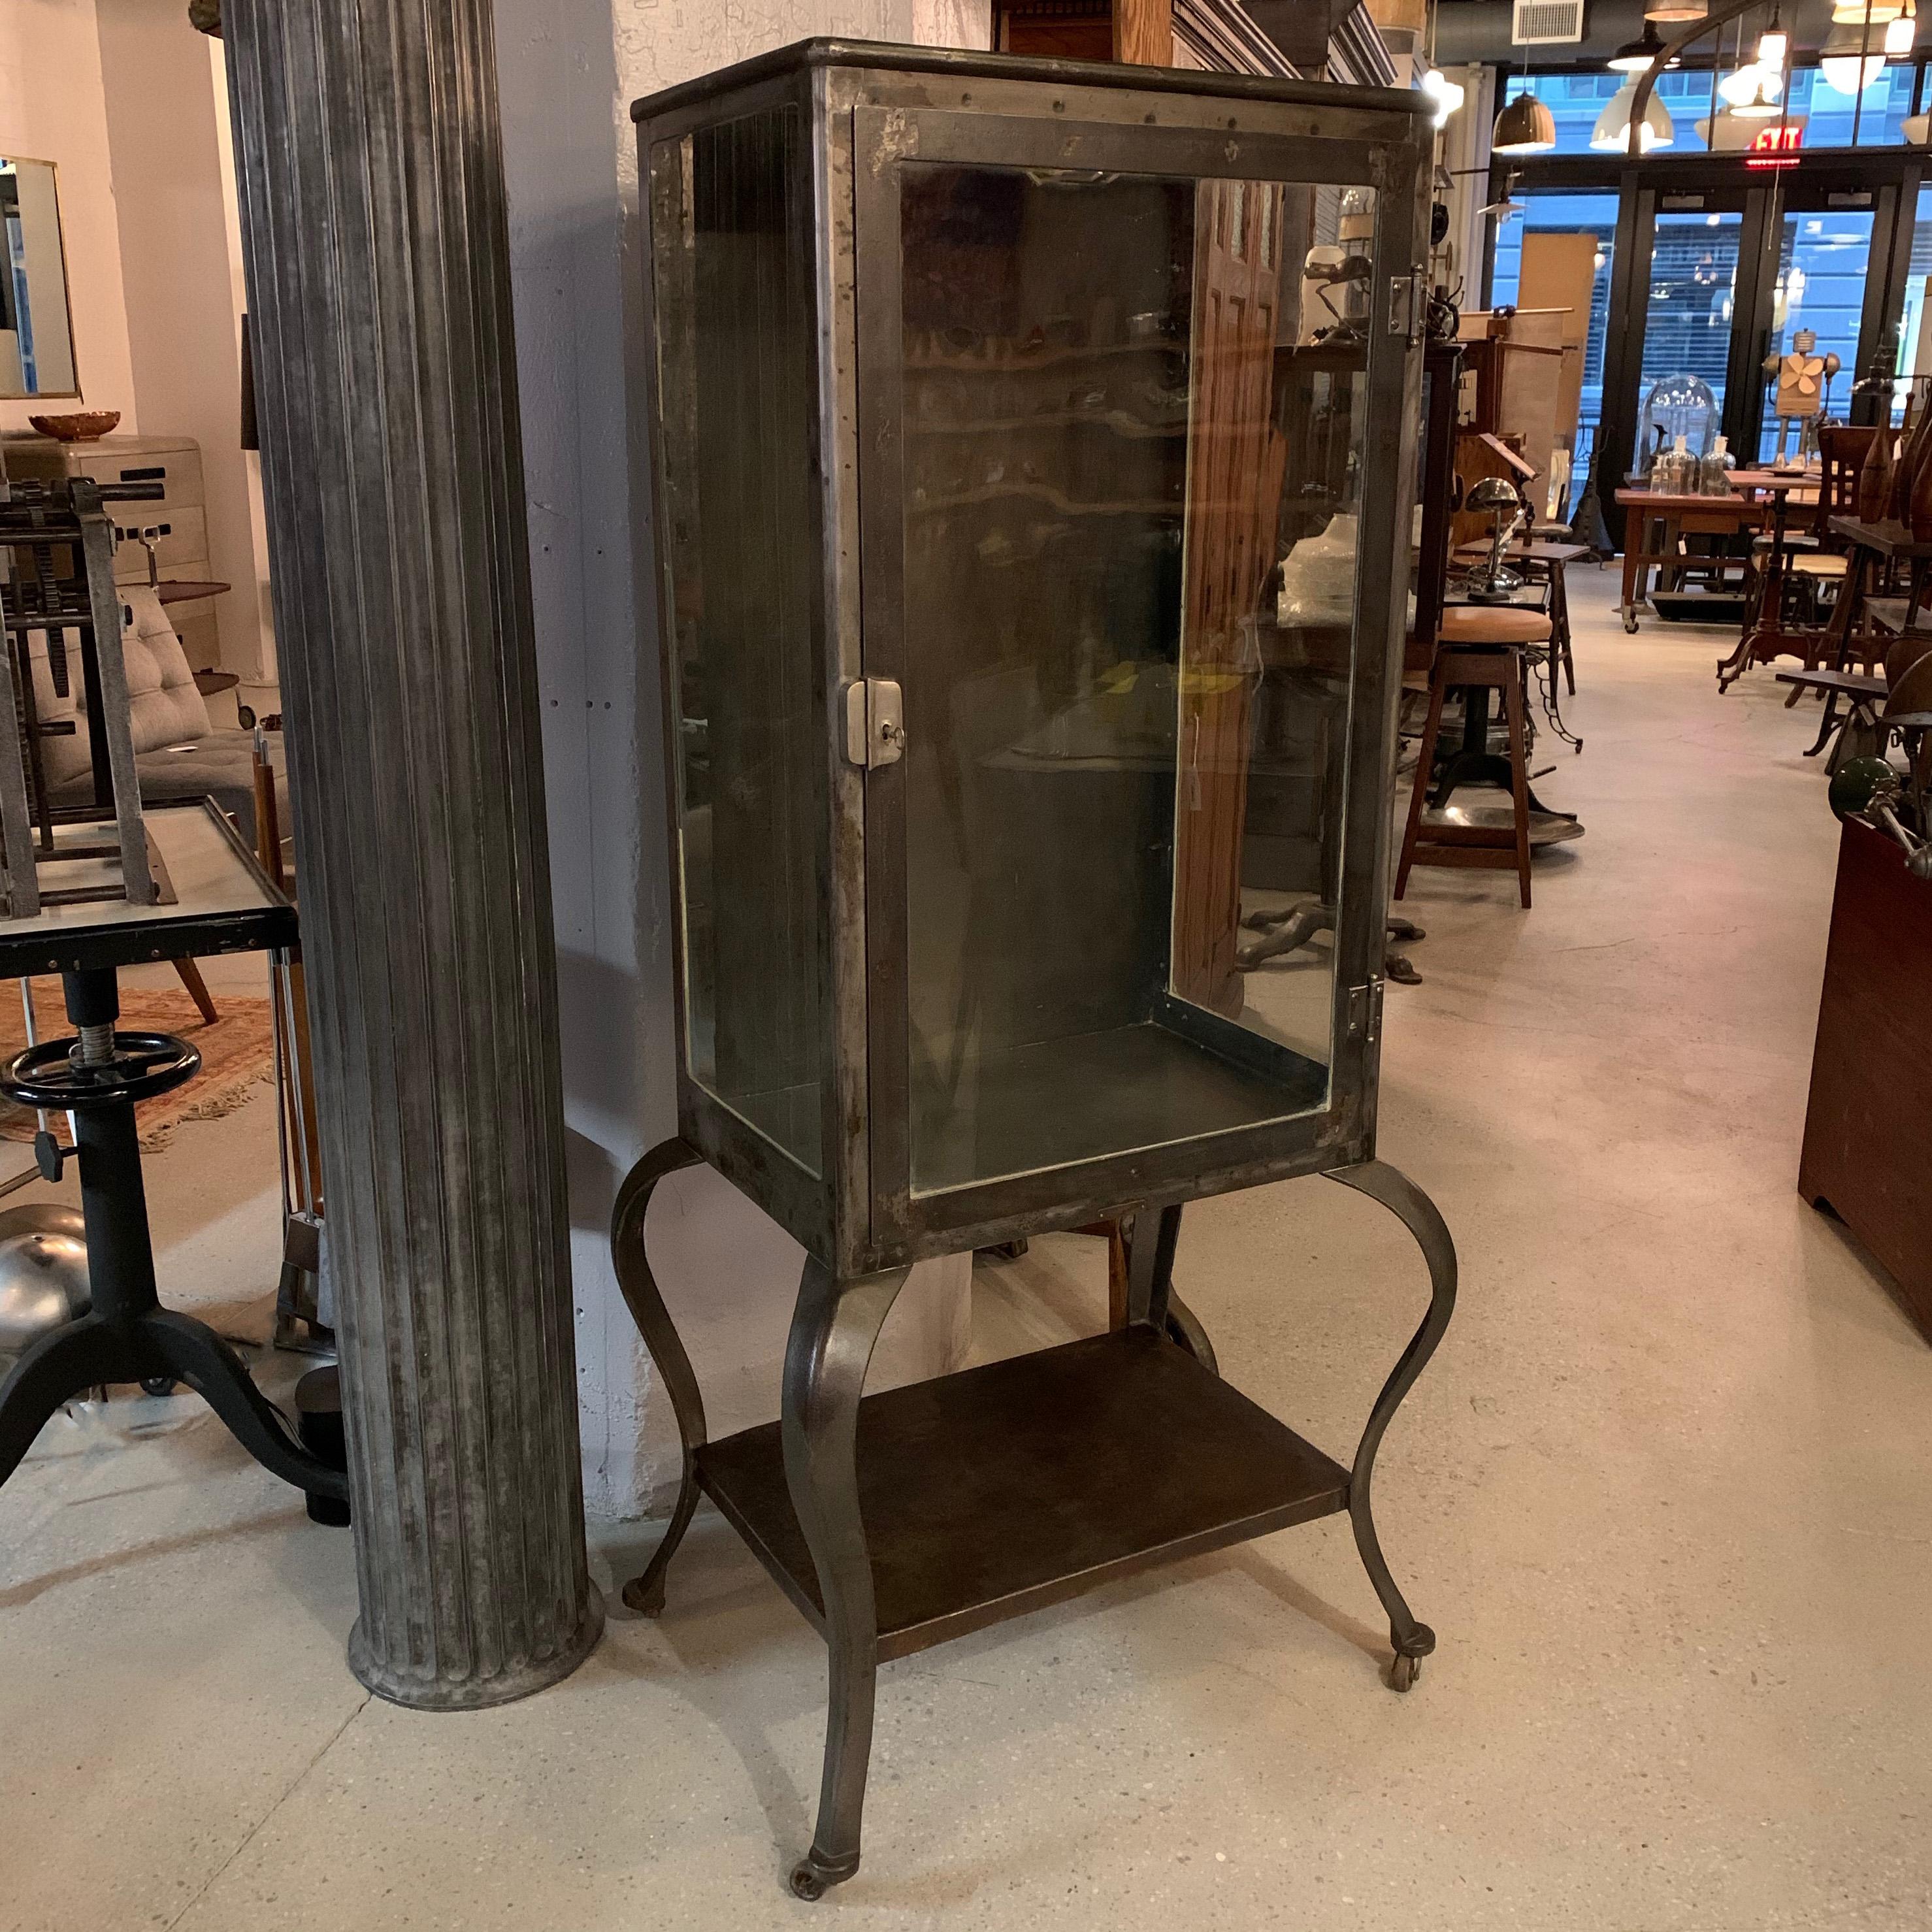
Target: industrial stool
(1481, 649)
(128, 1336)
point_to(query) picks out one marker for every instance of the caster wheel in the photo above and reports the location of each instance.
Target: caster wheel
(1403, 1671)
(1630, 624)
(805, 1883)
(647, 1602)
(244, 716)
(157, 1385)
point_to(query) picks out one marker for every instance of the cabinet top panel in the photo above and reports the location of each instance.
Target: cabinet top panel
(958, 64)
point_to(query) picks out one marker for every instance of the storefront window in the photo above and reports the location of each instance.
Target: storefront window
(1556, 214)
(1821, 262)
(1915, 336)
(1829, 119)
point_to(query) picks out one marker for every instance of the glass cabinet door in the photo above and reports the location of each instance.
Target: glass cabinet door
(1133, 411)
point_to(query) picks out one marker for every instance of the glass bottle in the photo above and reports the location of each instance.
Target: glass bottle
(1715, 471)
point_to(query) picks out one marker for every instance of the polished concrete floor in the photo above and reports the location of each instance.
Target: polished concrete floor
(1664, 1495)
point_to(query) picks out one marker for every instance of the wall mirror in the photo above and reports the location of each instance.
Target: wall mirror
(36, 328)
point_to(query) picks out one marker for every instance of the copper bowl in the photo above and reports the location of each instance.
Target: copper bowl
(86, 427)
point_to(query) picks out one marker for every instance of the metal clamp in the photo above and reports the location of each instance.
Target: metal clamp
(1407, 304)
(874, 723)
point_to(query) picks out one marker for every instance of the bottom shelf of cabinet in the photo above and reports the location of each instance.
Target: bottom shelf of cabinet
(998, 1490)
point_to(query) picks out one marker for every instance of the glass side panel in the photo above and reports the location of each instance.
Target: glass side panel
(733, 284)
(1126, 398)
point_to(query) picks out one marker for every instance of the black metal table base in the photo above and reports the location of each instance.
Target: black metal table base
(1473, 763)
(128, 1336)
(891, 1578)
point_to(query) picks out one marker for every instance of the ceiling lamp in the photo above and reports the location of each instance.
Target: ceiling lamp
(1611, 135)
(1447, 95)
(1525, 126)
(1756, 98)
(1773, 45)
(1899, 35)
(1676, 12)
(1845, 64)
(1856, 13)
(1633, 56)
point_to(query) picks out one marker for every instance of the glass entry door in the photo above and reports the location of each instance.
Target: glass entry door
(1821, 287)
(1721, 282)
(1528, 246)
(1689, 312)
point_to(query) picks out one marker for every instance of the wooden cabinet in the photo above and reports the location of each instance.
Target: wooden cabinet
(1869, 1125)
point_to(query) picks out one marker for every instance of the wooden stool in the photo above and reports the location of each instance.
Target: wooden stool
(1480, 649)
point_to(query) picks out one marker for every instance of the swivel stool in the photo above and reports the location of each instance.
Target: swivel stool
(98, 1075)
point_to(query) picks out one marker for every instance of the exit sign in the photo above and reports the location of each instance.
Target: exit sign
(1777, 145)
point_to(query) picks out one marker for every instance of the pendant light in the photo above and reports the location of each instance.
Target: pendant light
(1774, 45)
(1845, 62)
(1525, 126)
(1611, 135)
(1633, 56)
(1752, 93)
(1857, 12)
(1899, 35)
(1676, 13)
(1447, 95)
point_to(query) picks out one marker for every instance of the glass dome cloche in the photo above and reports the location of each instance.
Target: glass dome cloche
(1681, 405)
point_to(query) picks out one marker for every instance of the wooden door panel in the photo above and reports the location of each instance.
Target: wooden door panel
(1235, 468)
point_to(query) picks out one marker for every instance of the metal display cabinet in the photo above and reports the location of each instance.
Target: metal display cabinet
(986, 395)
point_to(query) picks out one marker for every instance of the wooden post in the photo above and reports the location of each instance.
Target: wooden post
(1144, 32)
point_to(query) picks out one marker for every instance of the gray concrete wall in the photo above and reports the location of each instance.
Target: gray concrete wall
(568, 71)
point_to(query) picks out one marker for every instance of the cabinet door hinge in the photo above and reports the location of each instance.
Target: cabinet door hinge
(874, 723)
(1365, 1011)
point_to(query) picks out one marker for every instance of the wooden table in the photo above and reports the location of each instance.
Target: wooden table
(1679, 515)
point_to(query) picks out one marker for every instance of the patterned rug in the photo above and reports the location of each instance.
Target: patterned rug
(237, 1053)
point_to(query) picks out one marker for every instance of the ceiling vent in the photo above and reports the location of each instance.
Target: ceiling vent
(1543, 23)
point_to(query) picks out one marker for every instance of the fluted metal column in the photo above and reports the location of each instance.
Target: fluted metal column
(373, 218)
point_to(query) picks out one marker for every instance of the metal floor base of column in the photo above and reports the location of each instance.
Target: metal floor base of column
(415, 1692)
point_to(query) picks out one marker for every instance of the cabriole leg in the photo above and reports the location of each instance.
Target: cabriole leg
(833, 1333)
(1413, 1641)
(645, 1594)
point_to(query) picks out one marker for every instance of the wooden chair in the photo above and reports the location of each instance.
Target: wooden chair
(1842, 448)
(1480, 647)
(1905, 687)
